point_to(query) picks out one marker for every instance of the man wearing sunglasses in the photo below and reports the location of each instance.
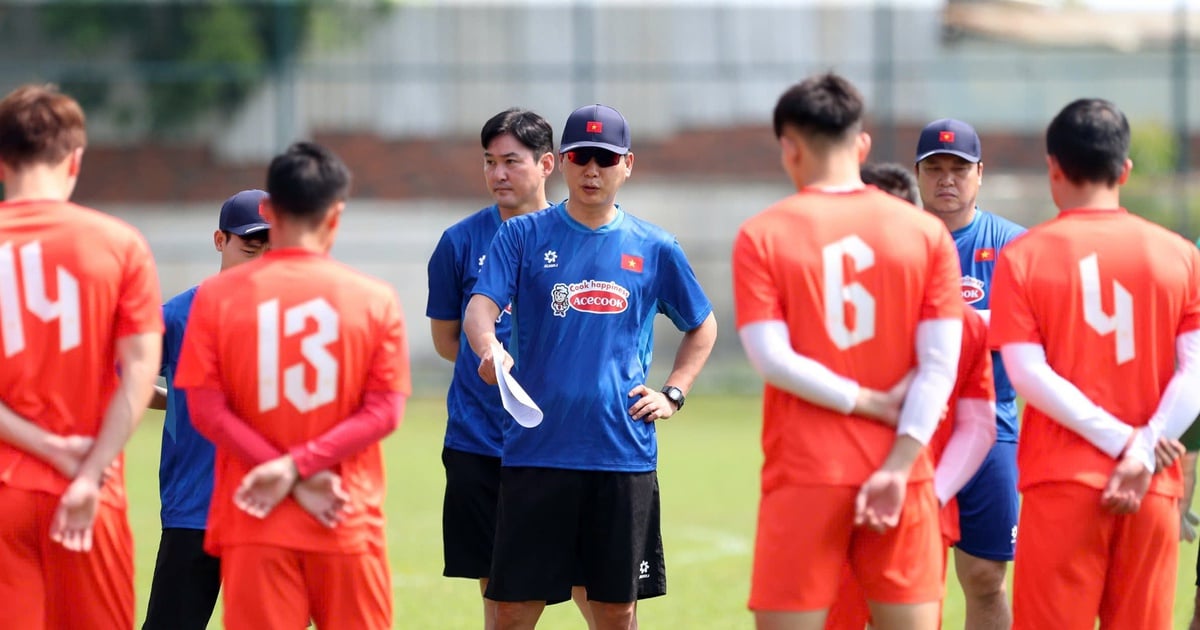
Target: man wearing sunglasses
(578, 492)
(518, 156)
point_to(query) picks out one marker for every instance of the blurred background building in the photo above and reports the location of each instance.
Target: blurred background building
(187, 101)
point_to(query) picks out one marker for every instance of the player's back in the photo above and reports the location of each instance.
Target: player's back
(1107, 293)
(852, 274)
(297, 339)
(72, 281)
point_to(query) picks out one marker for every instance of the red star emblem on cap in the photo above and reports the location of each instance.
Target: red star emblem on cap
(946, 136)
(595, 126)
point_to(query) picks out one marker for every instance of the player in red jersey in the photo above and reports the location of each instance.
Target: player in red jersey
(1096, 314)
(78, 295)
(296, 393)
(961, 441)
(842, 290)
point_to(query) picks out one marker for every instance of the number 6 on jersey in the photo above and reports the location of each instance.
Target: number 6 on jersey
(838, 293)
(312, 348)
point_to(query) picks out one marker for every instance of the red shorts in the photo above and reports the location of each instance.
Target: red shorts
(806, 535)
(268, 587)
(1077, 562)
(45, 586)
(851, 612)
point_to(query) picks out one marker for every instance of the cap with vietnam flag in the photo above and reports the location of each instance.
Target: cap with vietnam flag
(950, 136)
(596, 126)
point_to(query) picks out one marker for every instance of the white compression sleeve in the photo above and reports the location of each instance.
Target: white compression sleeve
(972, 437)
(1180, 402)
(1042, 387)
(769, 348)
(939, 342)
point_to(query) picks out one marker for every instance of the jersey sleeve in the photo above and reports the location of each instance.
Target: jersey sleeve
(680, 295)
(1012, 318)
(975, 362)
(445, 281)
(943, 289)
(498, 276)
(198, 358)
(755, 295)
(389, 371)
(1191, 309)
(139, 307)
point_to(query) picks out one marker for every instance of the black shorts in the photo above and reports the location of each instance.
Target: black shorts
(186, 582)
(469, 513)
(556, 526)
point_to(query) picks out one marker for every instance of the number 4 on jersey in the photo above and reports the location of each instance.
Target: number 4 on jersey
(1120, 322)
(312, 348)
(65, 310)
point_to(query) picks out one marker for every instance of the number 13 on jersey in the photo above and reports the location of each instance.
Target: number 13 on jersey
(312, 349)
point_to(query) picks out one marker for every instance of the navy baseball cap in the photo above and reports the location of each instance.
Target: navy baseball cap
(239, 213)
(596, 126)
(949, 136)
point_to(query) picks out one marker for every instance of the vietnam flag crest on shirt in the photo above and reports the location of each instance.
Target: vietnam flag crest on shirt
(985, 254)
(631, 263)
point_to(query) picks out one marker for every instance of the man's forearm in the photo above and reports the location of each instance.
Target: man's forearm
(904, 452)
(138, 356)
(378, 416)
(25, 435)
(213, 419)
(480, 323)
(693, 352)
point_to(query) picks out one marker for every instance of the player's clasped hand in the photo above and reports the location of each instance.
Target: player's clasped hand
(324, 498)
(1128, 484)
(651, 406)
(265, 486)
(76, 513)
(880, 500)
(1166, 451)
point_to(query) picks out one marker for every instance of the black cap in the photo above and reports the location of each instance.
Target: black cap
(949, 136)
(596, 126)
(239, 213)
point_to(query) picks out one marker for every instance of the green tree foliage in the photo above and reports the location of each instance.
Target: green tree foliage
(190, 58)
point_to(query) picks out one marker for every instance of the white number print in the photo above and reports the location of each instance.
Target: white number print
(312, 348)
(65, 310)
(838, 293)
(1120, 322)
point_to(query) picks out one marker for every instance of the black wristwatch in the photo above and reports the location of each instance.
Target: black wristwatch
(675, 395)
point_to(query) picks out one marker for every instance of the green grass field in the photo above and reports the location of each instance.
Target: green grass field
(708, 472)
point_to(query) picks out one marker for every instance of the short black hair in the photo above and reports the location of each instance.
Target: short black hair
(824, 107)
(892, 178)
(530, 129)
(306, 180)
(1089, 139)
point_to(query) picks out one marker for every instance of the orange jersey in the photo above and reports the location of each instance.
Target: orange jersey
(1106, 293)
(72, 282)
(294, 339)
(974, 378)
(852, 274)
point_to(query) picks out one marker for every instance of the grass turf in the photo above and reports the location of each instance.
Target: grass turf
(708, 471)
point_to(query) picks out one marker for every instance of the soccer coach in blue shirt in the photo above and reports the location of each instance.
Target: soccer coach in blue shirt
(578, 492)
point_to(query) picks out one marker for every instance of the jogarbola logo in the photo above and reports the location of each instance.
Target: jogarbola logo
(590, 296)
(972, 289)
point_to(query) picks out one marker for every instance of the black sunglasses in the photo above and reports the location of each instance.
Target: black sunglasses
(604, 158)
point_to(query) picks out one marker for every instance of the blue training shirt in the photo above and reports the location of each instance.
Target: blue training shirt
(583, 307)
(978, 245)
(185, 470)
(476, 416)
